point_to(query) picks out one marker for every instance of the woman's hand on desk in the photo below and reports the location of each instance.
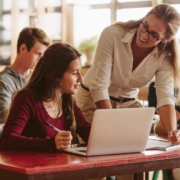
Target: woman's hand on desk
(174, 137)
(63, 140)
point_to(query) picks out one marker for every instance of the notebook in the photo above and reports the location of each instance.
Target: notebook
(116, 131)
(159, 143)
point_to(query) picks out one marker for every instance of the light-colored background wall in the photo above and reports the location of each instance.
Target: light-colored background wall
(70, 21)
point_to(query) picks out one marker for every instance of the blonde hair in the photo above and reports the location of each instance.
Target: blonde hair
(171, 18)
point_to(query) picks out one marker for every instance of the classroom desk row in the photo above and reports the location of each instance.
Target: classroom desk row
(64, 166)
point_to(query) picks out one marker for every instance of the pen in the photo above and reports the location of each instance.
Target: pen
(51, 126)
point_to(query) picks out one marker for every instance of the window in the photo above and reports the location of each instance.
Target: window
(131, 13)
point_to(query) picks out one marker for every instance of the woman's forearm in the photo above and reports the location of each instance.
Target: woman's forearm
(168, 118)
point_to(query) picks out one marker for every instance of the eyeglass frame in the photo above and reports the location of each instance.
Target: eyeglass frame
(157, 39)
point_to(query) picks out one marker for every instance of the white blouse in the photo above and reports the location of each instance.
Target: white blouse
(111, 73)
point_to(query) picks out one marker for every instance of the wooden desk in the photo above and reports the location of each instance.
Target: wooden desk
(56, 166)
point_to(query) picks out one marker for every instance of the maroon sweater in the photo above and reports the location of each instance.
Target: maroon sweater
(25, 129)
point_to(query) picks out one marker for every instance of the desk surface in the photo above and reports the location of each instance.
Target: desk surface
(39, 165)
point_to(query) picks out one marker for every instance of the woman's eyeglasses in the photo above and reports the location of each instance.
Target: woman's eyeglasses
(152, 36)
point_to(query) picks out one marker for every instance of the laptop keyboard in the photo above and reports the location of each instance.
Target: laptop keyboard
(81, 151)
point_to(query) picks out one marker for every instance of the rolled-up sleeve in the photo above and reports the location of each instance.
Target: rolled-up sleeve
(102, 67)
(164, 83)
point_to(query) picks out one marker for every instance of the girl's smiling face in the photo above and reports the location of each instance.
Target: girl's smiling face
(72, 78)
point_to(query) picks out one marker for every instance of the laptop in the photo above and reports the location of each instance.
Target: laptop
(116, 131)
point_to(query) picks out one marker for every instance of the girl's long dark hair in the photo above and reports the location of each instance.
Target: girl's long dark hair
(45, 80)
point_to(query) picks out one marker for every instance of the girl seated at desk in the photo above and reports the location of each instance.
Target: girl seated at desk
(47, 98)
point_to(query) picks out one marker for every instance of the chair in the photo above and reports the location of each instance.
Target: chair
(166, 175)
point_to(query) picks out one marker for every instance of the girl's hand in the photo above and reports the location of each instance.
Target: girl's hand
(63, 140)
(174, 137)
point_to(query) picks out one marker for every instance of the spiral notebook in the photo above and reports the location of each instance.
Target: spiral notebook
(116, 131)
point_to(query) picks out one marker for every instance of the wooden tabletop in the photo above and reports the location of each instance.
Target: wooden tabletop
(41, 165)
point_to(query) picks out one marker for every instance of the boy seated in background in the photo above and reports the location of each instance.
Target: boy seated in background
(31, 44)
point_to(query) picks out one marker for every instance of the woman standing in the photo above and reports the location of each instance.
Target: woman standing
(127, 57)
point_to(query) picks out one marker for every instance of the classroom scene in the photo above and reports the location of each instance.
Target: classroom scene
(90, 89)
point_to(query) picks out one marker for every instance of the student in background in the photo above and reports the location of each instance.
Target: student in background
(47, 97)
(152, 98)
(31, 44)
(127, 57)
